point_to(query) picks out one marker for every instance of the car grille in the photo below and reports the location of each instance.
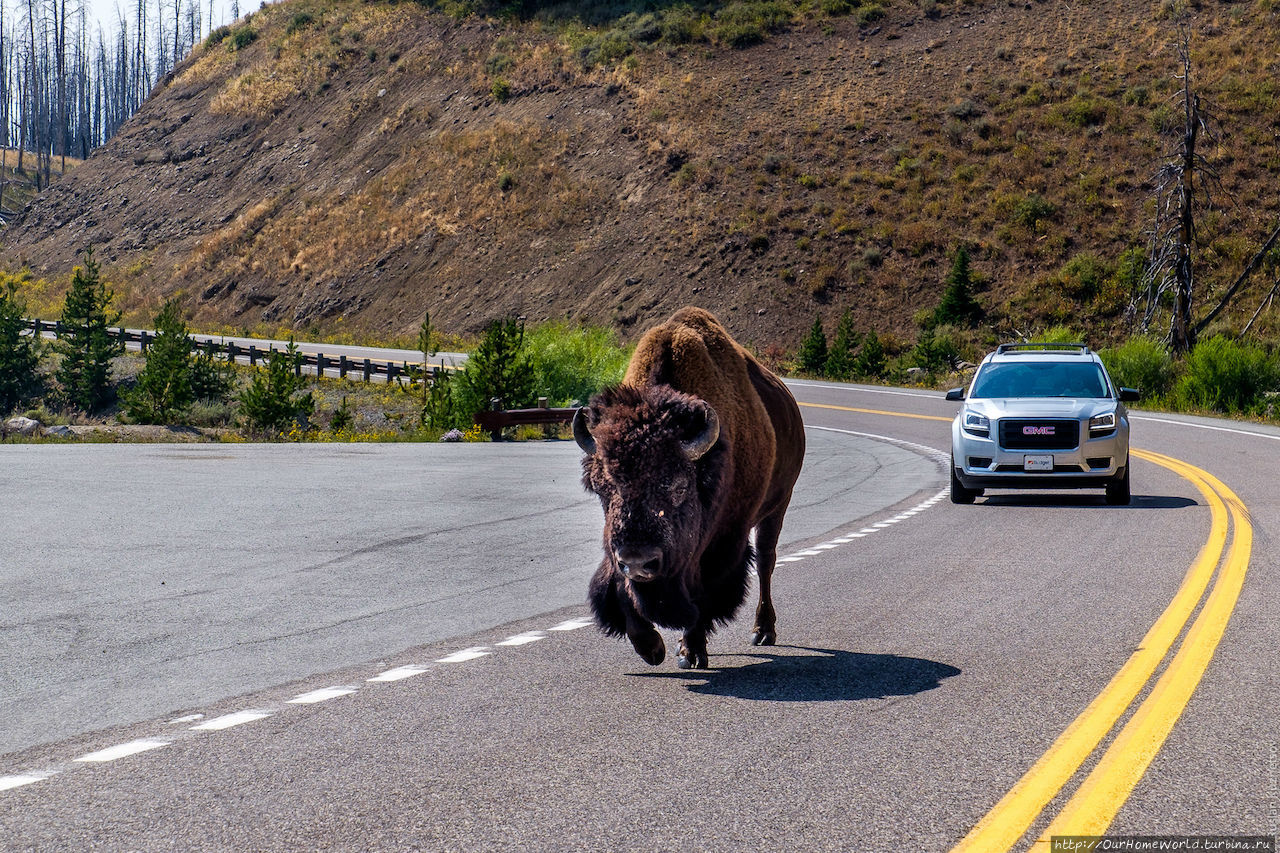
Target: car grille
(1039, 434)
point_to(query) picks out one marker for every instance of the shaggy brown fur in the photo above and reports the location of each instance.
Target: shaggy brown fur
(699, 445)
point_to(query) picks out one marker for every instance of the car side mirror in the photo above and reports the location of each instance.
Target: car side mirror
(1130, 395)
(955, 394)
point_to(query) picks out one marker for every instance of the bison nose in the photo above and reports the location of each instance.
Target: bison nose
(639, 562)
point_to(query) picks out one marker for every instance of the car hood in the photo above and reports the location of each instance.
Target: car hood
(1040, 407)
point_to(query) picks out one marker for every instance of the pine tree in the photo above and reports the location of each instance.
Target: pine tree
(272, 401)
(871, 359)
(840, 355)
(164, 389)
(958, 306)
(19, 353)
(498, 370)
(86, 344)
(813, 349)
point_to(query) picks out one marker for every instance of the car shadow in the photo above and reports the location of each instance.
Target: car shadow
(1087, 500)
(814, 675)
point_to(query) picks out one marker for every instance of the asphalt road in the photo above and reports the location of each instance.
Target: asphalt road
(930, 654)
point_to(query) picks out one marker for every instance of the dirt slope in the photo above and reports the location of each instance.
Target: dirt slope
(356, 169)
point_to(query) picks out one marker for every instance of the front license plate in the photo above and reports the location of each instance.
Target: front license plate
(1037, 463)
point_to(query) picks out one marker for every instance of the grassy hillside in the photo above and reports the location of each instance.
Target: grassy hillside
(329, 166)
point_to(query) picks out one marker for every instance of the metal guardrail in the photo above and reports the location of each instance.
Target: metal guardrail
(346, 368)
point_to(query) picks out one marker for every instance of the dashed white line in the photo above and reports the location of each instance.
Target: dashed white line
(572, 624)
(522, 639)
(831, 544)
(123, 750)
(189, 718)
(399, 673)
(17, 781)
(324, 694)
(226, 721)
(465, 655)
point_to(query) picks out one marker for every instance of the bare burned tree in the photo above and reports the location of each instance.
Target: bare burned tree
(1182, 186)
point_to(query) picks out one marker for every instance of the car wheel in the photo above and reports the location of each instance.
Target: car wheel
(1118, 490)
(959, 494)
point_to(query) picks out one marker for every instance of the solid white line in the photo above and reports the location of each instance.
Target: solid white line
(7, 782)
(407, 671)
(1205, 426)
(572, 624)
(322, 695)
(934, 396)
(523, 639)
(226, 721)
(465, 655)
(133, 747)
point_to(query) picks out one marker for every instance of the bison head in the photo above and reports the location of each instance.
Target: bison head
(654, 459)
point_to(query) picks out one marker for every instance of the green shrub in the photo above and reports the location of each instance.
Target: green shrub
(1082, 111)
(1032, 210)
(501, 90)
(217, 36)
(1082, 277)
(748, 22)
(242, 37)
(570, 363)
(1227, 376)
(300, 21)
(1141, 363)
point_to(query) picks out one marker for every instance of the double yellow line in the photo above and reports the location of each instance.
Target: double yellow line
(1093, 806)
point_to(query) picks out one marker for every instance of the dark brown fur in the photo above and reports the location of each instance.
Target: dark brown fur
(689, 518)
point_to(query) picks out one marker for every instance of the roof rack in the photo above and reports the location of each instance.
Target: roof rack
(1003, 348)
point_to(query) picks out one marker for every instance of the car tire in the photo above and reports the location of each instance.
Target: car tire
(959, 494)
(1118, 490)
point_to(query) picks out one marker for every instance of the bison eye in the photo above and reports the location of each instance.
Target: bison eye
(679, 490)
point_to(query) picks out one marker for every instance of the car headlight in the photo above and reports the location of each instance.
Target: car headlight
(1102, 423)
(976, 424)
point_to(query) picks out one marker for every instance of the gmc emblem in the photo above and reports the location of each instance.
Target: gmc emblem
(1037, 430)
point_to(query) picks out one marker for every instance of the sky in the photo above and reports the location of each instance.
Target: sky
(106, 12)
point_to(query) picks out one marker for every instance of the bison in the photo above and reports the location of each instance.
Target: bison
(697, 446)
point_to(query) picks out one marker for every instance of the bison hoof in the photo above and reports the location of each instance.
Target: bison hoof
(763, 638)
(652, 649)
(693, 661)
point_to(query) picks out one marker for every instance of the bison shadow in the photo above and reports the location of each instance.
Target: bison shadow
(815, 675)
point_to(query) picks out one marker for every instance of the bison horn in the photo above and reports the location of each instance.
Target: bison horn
(581, 433)
(697, 446)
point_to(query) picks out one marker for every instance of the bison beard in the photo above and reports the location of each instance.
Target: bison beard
(683, 482)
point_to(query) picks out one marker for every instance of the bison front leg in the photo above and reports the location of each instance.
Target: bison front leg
(616, 614)
(765, 632)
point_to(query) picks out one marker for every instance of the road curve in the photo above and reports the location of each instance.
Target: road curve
(931, 655)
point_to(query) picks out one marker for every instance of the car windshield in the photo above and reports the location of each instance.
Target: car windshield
(1041, 379)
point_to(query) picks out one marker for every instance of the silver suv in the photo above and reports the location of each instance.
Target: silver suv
(1041, 416)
